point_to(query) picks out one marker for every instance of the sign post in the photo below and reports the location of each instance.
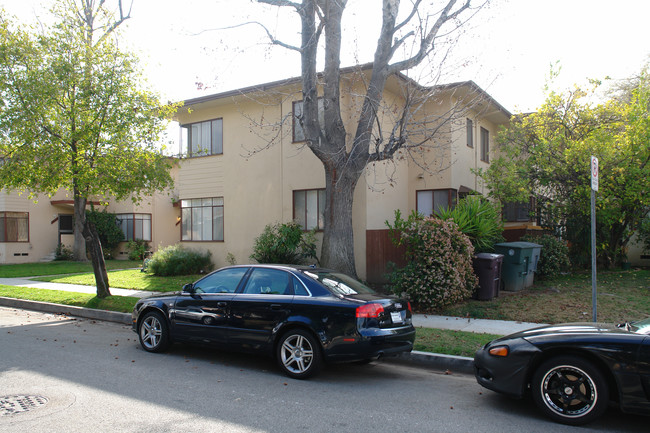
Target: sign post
(594, 188)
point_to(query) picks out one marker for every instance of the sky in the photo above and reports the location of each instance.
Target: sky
(507, 48)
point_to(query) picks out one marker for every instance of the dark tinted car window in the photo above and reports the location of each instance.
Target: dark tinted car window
(225, 281)
(340, 284)
(268, 282)
(299, 288)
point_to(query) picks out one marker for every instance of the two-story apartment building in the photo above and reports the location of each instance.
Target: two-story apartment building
(244, 164)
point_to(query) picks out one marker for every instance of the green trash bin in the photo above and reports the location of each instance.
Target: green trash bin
(519, 264)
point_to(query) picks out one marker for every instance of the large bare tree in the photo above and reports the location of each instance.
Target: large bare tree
(344, 155)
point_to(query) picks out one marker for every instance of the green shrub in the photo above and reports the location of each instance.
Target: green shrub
(137, 249)
(177, 260)
(479, 219)
(285, 244)
(439, 270)
(554, 257)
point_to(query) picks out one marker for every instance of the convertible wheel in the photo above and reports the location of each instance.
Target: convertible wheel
(153, 332)
(298, 354)
(570, 390)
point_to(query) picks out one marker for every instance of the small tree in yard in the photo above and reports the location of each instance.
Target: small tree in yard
(73, 115)
(439, 270)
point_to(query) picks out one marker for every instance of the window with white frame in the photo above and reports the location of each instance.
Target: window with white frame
(135, 226)
(203, 138)
(429, 201)
(202, 219)
(309, 208)
(14, 226)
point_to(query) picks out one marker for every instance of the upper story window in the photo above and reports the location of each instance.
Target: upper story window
(309, 208)
(485, 145)
(14, 227)
(202, 219)
(298, 131)
(135, 226)
(470, 133)
(428, 202)
(203, 138)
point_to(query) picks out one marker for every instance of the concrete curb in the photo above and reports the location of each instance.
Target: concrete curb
(437, 361)
(453, 364)
(87, 313)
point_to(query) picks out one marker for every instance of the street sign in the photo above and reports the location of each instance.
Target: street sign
(594, 173)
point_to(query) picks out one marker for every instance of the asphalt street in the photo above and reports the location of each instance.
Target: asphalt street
(87, 375)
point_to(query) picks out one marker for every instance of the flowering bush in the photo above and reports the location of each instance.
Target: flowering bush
(439, 270)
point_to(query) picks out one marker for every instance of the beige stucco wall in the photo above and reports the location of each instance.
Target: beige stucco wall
(43, 226)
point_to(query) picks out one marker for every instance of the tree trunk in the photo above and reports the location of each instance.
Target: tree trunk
(79, 248)
(97, 258)
(89, 239)
(338, 237)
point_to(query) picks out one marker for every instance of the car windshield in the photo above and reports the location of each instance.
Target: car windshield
(642, 326)
(340, 284)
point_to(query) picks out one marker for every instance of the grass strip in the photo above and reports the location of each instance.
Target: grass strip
(60, 267)
(131, 279)
(122, 304)
(450, 342)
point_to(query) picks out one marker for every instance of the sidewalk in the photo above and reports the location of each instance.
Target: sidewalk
(430, 360)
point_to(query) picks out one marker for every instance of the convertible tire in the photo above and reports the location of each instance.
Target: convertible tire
(153, 332)
(298, 354)
(570, 390)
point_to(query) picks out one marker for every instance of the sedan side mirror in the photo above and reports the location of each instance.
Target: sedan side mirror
(188, 288)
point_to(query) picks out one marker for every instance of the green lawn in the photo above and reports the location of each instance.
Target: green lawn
(122, 304)
(128, 279)
(622, 296)
(58, 268)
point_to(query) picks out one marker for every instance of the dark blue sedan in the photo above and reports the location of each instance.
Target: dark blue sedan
(302, 316)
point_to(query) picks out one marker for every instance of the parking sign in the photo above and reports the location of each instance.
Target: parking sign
(594, 173)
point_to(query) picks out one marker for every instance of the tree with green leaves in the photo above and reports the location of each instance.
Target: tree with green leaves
(546, 154)
(75, 114)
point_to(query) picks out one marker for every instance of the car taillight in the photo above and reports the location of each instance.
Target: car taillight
(369, 310)
(409, 306)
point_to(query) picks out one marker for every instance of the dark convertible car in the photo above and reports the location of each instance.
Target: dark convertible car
(572, 371)
(303, 316)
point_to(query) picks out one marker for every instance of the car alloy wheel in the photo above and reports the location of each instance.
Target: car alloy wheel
(570, 390)
(298, 354)
(154, 336)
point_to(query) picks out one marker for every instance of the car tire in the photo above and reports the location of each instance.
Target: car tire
(298, 354)
(153, 332)
(570, 390)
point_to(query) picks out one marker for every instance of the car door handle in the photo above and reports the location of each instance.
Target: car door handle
(276, 307)
(221, 304)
